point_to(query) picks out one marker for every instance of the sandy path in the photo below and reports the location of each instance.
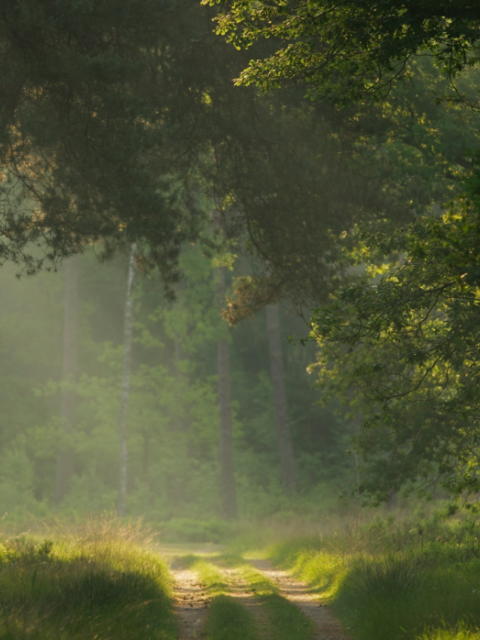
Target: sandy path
(327, 627)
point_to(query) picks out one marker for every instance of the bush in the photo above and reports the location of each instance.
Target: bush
(187, 530)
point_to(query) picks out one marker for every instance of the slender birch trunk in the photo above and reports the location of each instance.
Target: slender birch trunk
(122, 421)
(284, 437)
(227, 476)
(65, 459)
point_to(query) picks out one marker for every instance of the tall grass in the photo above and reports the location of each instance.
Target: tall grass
(93, 582)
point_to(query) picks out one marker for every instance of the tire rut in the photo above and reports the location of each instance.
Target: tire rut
(327, 627)
(190, 603)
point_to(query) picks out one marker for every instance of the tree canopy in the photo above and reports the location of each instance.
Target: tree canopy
(398, 343)
(347, 50)
(118, 117)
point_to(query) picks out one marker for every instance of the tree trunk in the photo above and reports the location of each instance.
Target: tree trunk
(65, 458)
(285, 448)
(122, 421)
(227, 476)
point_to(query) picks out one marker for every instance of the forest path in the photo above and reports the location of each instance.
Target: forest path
(192, 599)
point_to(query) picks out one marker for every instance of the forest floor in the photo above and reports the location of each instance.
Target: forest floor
(193, 596)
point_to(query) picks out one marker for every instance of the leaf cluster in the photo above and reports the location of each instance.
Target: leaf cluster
(347, 50)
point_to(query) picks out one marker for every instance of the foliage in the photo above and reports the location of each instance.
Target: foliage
(378, 168)
(350, 49)
(415, 389)
(121, 118)
(83, 150)
(404, 354)
(118, 118)
(17, 484)
(189, 530)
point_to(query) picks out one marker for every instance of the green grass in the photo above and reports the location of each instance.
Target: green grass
(461, 633)
(99, 585)
(386, 582)
(229, 620)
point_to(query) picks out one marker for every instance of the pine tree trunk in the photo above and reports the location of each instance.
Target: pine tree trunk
(122, 421)
(284, 437)
(227, 476)
(65, 459)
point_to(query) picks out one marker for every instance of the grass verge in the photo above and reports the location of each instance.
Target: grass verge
(389, 581)
(99, 585)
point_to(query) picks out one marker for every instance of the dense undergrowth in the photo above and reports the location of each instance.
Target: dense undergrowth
(390, 580)
(99, 582)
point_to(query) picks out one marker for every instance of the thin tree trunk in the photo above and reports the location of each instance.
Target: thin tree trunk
(65, 459)
(122, 421)
(284, 437)
(227, 476)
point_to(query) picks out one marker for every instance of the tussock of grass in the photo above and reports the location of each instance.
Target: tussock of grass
(229, 620)
(212, 577)
(387, 581)
(99, 585)
(451, 634)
